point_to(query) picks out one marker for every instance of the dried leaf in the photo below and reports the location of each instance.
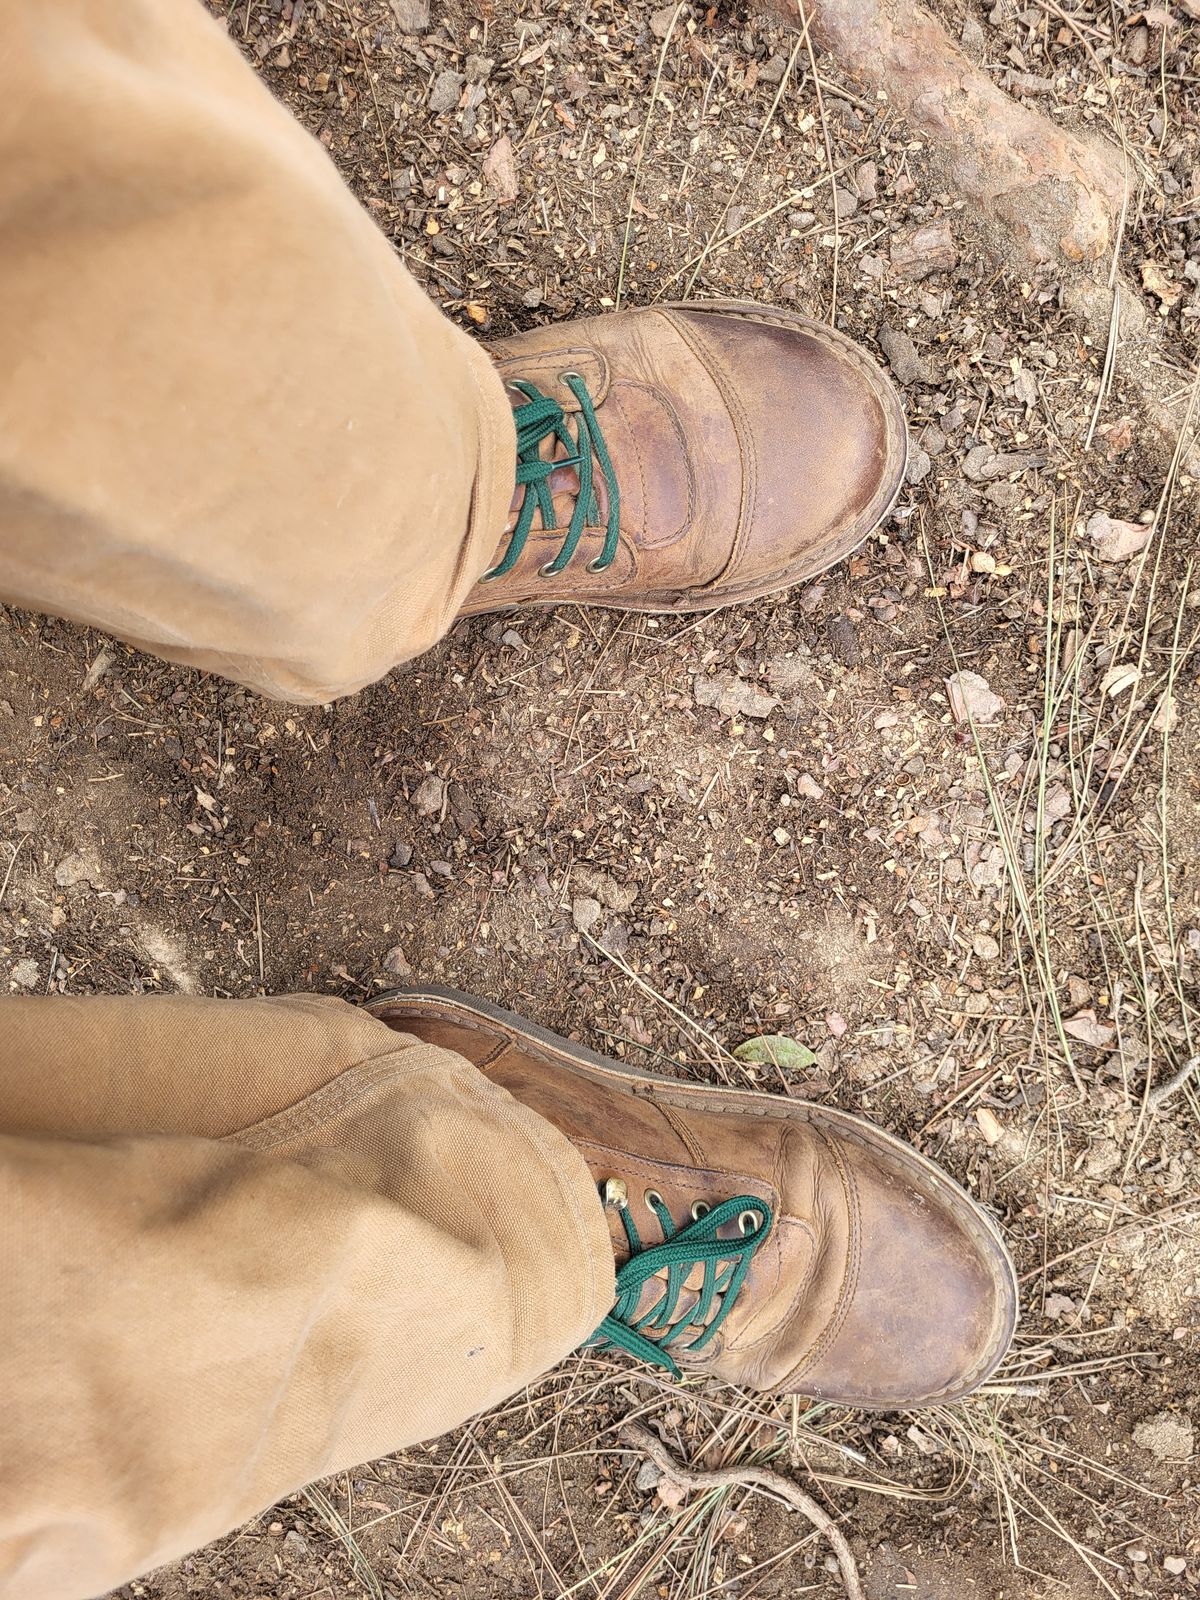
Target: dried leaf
(1117, 436)
(971, 698)
(990, 1125)
(1116, 540)
(1166, 716)
(1088, 1030)
(661, 20)
(776, 1050)
(732, 696)
(670, 1493)
(1163, 288)
(1118, 679)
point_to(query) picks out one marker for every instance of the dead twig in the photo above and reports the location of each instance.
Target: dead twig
(16, 851)
(749, 1477)
(1159, 1096)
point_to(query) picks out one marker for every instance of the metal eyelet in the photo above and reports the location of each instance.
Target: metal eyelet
(616, 1193)
(570, 373)
(653, 1198)
(547, 571)
(750, 1217)
(597, 565)
(700, 1208)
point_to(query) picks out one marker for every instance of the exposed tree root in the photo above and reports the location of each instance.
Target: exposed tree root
(1048, 199)
(1057, 197)
(751, 1478)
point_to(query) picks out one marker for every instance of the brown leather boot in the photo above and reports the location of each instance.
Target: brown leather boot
(684, 457)
(782, 1245)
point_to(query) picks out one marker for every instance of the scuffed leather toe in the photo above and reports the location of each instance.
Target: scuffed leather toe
(820, 435)
(930, 1300)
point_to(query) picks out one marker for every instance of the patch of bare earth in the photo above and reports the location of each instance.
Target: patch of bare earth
(775, 819)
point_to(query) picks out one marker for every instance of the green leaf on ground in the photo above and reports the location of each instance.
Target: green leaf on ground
(775, 1050)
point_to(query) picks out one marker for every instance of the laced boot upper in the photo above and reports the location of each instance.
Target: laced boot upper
(772, 1242)
(678, 458)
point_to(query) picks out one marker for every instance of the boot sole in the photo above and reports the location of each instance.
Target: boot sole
(983, 1230)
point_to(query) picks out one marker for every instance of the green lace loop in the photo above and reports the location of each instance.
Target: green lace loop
(540, 419)
(725, 1261)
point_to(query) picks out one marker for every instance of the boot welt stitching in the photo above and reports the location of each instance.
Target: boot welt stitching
(745, 439)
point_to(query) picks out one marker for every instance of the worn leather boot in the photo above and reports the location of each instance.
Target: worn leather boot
(786, 1246)
(685, 457)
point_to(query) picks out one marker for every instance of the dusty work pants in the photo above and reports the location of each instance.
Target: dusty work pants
(242, 1244)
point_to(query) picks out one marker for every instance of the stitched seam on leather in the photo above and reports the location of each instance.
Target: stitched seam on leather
(648, 1168)
(801, 1288)
(519, 359)
(853, 1264)
(742, 1348)
(745, 438)
(664, 402)
(691, 1145)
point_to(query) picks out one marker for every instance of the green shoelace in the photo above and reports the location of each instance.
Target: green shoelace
(541, 419)
(725, 1261)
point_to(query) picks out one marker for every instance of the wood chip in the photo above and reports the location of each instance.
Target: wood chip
(990, 1125)
(500, 170)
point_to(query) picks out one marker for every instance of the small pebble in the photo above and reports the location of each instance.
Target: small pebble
(429, 795)
(585, 913)
(985, 947)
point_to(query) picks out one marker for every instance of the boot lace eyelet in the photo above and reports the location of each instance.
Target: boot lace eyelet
(747, 1222)
(653, 1198)
(546, 571)
(598, 564)
(700, 1208)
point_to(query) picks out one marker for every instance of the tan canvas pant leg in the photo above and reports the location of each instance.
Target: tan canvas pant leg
(247, 1243)
(232, 428)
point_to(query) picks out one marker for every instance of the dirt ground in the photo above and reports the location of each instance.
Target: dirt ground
(663, 836)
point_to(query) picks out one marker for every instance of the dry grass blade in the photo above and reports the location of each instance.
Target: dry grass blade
(723, 1059)
(714, 232)
(837, 221)
(333, 1519)
(637, 170)
(16, 851)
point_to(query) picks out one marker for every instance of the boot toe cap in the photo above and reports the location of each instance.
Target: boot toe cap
(820, 434)
(929, 1304)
